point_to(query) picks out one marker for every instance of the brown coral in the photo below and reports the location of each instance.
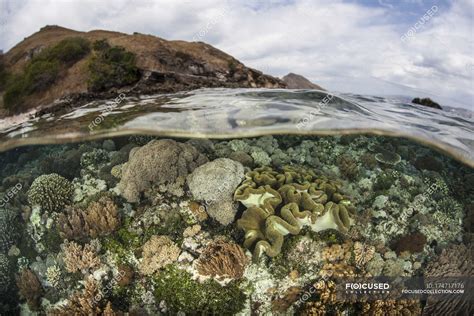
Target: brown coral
(223, 260)
(454, 261)
(413, 243)
(160, 162)
(392, 307)
(348, 166)
(99, 219)
(86, 303)
(158, 252)
(363, 253)
(290, 296)
(29, 288)
(78, 258)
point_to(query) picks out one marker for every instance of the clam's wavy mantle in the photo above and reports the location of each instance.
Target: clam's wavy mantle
(230, 113)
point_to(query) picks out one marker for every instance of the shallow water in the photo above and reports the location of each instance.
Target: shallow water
(145, 225)
(230, 113)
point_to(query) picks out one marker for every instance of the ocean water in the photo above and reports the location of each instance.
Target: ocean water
(248, 202)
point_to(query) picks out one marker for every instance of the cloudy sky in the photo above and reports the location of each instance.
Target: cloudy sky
(380, 47)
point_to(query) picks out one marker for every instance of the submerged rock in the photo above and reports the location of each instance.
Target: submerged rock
(215, 183)
(427, 102)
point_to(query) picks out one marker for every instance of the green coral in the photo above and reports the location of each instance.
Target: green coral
(183, 294)
(51, 192)
(281, 203)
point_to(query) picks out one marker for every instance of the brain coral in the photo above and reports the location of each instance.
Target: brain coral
(281, 203)
(161, 162)
(51, 192)
(215, 183)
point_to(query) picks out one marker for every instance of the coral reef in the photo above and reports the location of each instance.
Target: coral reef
(164, 240)
(348, 166)
(5, 274)
(280, 203)
(8, 228)
(214, 183)
(99, 219)
(392, 307)
(29, 288)
(160, 162)
(88, 302)
(182, 294)
(412, 243)
(80, 258)
(384, 156)
(158, 252)
(222, 260)
(51, 192)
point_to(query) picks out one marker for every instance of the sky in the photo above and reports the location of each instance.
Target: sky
(378, 47)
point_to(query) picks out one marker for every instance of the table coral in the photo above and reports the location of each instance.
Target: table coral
(51, 191)
(281, 203)
(161, 162)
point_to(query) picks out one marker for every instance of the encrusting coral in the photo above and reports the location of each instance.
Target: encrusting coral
(78, 258)
(99, 219)
(214, 183)
(223, 260)
(51, 192)
(281, 203)
(158, 252)
(29, 288)
(160, 162)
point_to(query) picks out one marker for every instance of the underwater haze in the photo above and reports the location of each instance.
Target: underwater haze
(237, 202)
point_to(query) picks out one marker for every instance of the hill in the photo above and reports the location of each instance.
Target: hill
(58, 63)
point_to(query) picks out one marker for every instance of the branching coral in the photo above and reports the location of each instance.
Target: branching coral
(88, 302)
(223, 260)
(29, 288)
(158, 252)
(51, 191)
(161, 162)
(281, 203)
(78, 258)
(99, 219)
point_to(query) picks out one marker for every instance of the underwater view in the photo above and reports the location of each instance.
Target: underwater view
(284, 157)
(270, 225)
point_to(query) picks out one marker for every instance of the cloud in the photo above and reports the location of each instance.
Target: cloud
(342, 45)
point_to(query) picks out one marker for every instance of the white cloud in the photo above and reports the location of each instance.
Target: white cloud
(339, 45)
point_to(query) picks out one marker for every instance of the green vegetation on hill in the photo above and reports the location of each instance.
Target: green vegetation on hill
(43, 70)
(111, 66)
